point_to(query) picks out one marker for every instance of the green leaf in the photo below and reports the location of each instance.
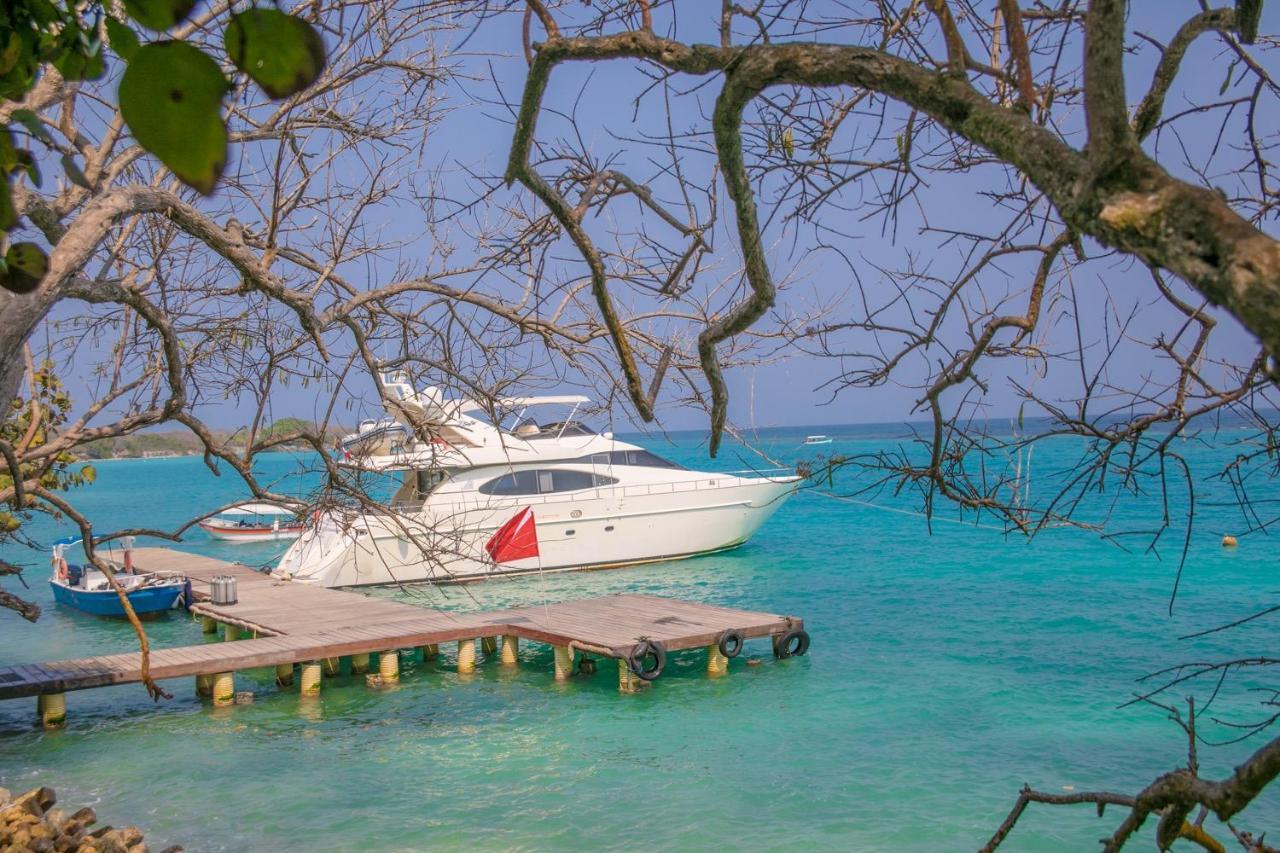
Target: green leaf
(89, 473)
(171, 98)
(77, 59)
(1226, 84)
(8, 213)
(8, 154)
(1248, 16)
(281, 53)
(73, 172)
(27, 264)
(27, 163)
(31, 122)
(124, 41)
(159, 14)
(10, 54)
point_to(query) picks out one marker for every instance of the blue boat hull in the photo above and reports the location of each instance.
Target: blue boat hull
(152, 599)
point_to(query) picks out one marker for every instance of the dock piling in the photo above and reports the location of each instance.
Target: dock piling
(489, 645)
(389, 666)
(564, 663)
(284, 674)
(204, 685)
(208, 625)
(310, 679)
(331, 667)
(628, 681)
(224, 689)
(717, 662)
(52, 708)
(230, 632)
(466, 656)
(430, 652)
(510, 650)
(360, 664)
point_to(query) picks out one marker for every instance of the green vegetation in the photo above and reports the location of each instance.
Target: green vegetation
(183, 442)
(170, 94)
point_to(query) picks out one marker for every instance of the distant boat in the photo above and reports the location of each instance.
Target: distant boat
(88, 589)
(254, 522)
(818, 439)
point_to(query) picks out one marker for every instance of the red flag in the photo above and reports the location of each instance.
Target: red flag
(515, 540)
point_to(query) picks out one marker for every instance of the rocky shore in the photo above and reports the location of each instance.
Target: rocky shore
(30, 822)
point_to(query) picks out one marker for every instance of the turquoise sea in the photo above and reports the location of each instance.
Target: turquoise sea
(948, 667)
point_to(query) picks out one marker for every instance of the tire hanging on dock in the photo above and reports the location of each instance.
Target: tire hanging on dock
(730, 643)
(792, 643)
(647, 659)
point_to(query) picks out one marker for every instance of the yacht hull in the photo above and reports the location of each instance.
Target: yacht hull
(603, 528)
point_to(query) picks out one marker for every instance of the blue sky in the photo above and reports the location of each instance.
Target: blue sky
(474, 136)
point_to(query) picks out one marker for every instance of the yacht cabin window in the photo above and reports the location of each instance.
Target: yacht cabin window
(640, 458)
(543, 481)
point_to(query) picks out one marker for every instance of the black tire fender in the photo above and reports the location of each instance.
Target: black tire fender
(642, 653)
(791, 643)
(730, 643)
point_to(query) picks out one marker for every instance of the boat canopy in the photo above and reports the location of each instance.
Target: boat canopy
(258, 509)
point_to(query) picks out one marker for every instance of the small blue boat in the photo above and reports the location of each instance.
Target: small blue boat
(89, 590)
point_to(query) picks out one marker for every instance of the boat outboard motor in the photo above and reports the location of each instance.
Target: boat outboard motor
(74, 574)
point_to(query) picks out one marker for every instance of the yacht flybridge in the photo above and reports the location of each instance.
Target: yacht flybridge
(596, 501)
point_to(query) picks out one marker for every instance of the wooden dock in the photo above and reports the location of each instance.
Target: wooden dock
(282, 623)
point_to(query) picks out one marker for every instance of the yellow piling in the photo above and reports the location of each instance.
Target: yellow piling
(360, 664)
(564, 663)
(208, 625)
(224, 689)
(510, 650)
(52, 708)
(284, 674)
(389, 666)
(628, 681)
(489, 645)
(717, 663)
(204, 685)
(331, 667)
(310, 679)
(466, 656)
(430, 652)
(230, 632)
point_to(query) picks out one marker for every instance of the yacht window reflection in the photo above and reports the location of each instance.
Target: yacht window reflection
(543, 481)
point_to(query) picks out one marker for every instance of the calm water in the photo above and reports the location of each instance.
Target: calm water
(946, 671)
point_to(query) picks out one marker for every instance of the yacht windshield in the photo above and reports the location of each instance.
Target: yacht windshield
(530, 430)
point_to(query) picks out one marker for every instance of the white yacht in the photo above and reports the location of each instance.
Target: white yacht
(597, 502)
